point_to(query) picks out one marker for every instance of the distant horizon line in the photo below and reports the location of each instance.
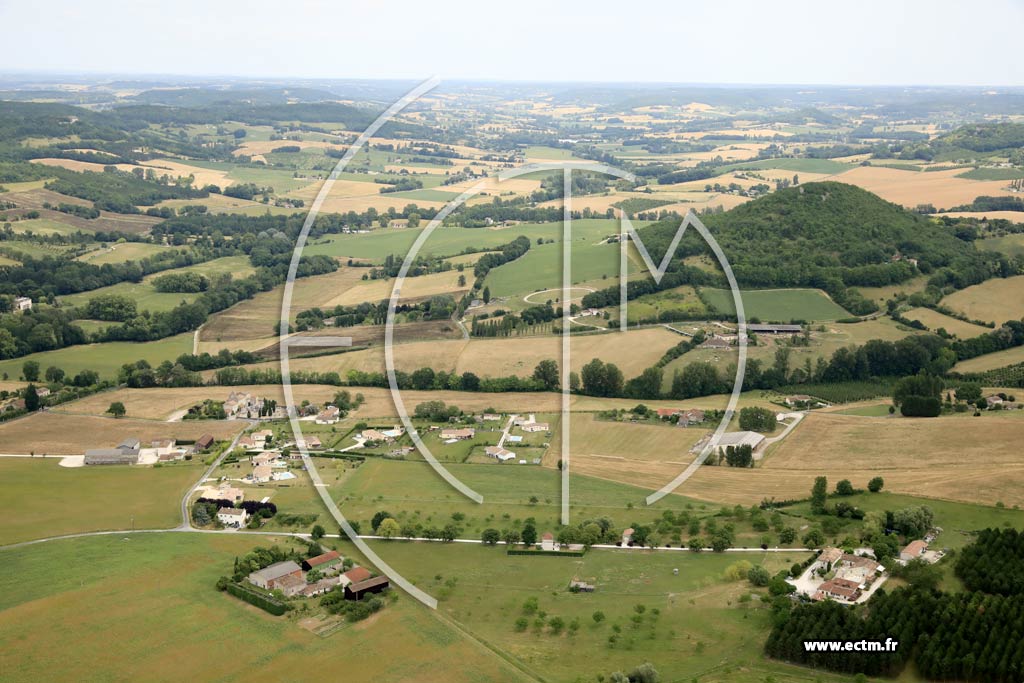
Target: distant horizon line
(6, 74)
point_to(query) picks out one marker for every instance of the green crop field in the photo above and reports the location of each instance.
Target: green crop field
(106, 358)
(176, 625)
(147, 298)
(44, 499)
(541, 268)
(779, 305)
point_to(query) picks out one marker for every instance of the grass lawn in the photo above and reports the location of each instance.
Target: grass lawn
(779, 305)
(106, 358)
(175, 625)
(44, 499)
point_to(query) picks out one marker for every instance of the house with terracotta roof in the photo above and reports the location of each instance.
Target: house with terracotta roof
(328, 416)
(499, 453)
(913, 551)
(627, 536)
(547, 541)
(838, 589)
(535, 427)
(355, 575)
(327, 562)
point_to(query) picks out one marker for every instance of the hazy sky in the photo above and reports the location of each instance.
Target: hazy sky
(737, 41)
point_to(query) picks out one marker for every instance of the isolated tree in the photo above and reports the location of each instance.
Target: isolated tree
(814, 538)
(30, 371)
(511, 537)
(54, 374)
(819, 495)
(117, 409)
(844, 487)
(462, 280)
(487, 295)
(318, 532)
(389, 528)
(490, 536)
(876, 484)
(529, 535)
(787, 535)
(597, 616)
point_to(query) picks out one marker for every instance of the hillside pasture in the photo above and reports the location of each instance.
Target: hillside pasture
(1011, 245)
(934, 320)
(106, 358)
(778, 305)
(996, 300)
(991, 361)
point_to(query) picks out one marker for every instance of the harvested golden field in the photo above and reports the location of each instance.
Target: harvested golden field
(51, 433)
(75, 165)
(218, 203)
(941, 189)
(959, 458)
(933, 320)
(177, 169)
(254, 147)
(996, 300)
(260, 317)
(413, 288)
(632, 352)
(368, 197)
(706, 200)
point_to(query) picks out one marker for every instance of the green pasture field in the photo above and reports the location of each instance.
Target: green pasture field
(883, 294)
(106, 358)
(993, 174)
(451, 241)
(691, 621)
(681, 299)
(123, 251)
(779, 305)
(541, 268)
(991, 361)
(178, 625)
(280, 179)
(147, 298)
(1011, 245)
(553, 153)
(44, 226)
(31, 248)
(414, 493)
(44, 499)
